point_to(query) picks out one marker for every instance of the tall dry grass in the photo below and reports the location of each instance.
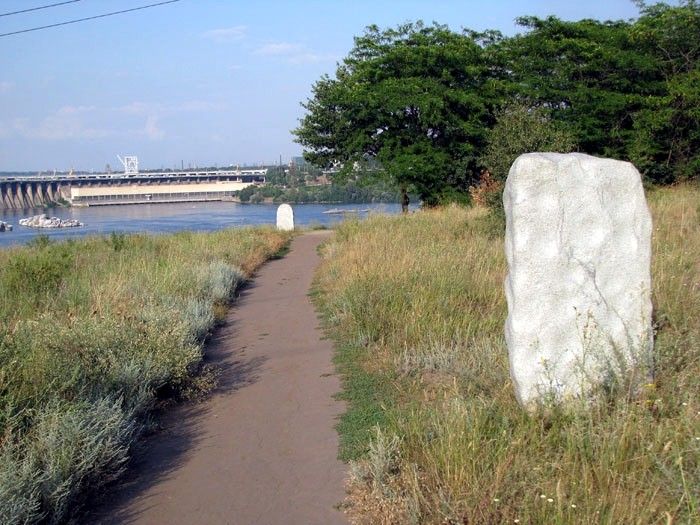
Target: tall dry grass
(416, 307)
(91, 333)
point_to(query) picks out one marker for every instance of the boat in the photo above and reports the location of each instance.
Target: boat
(338, 211)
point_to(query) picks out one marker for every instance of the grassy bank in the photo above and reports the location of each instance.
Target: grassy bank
(416, 307)
(92, 333)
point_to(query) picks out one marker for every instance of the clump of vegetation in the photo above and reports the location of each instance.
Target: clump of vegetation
(519, 128)
(433, 428)
(348, 192)
(418, 100)
(91, 333)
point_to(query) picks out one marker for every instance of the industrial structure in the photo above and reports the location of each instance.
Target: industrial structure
(130, 187)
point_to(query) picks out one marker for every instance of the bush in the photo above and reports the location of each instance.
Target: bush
(521, 128)
(37, 275)
(91, 331)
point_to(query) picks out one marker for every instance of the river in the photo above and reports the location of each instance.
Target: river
(167, 218)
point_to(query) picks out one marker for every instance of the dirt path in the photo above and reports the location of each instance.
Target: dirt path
(263, 449)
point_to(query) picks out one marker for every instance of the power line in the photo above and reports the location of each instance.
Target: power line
(88, 18)
(37, 8)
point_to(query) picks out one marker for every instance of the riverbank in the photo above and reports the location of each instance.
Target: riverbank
(170, 218)
(94, 333)
(435, 434)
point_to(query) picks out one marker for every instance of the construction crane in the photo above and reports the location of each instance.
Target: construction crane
(130, 163)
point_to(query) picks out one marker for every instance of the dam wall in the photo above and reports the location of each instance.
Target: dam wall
(17, 195)
(145, 193)
(105, 189)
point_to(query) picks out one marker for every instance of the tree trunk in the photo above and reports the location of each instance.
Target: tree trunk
(404, 200)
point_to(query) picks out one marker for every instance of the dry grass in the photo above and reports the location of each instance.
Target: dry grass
(92, 333)
(416, 307)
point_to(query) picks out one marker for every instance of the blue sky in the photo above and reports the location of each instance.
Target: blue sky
(202, 82)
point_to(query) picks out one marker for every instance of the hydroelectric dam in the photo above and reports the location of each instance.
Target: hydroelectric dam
(130, 187)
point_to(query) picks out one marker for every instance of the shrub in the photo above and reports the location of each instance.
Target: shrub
(521, 128)
(90, 332)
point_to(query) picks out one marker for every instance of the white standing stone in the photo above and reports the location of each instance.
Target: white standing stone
(285, 217)
(578, 245)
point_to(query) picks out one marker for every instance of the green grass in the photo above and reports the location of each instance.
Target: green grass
(416, 307)
(92, 334)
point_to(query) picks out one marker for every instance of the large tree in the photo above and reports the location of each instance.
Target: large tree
(666, 145)
(628, 90)
(588, 75)
(416, 100)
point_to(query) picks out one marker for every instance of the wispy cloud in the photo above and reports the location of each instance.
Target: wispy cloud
(68, 122)
(151, 129)
(142, 108)
(226, 34)
(6, 86)
(294, 53)
(76, 122)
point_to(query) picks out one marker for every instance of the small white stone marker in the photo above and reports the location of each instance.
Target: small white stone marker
(285, 217)
(578, 245)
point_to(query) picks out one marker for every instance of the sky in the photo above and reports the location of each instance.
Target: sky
(197, 82)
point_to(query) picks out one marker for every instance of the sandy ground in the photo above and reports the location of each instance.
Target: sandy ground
(262, 449)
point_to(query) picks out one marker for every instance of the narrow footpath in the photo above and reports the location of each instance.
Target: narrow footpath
(262, 450)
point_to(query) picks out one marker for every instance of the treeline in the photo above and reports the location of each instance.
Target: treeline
(350, 192)
(426, 101)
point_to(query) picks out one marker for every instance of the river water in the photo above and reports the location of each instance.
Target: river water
(166, 218)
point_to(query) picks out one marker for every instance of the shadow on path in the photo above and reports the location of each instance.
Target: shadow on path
(178, 435)
(261, 449)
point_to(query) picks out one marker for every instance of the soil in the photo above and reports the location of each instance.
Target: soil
(262, 448)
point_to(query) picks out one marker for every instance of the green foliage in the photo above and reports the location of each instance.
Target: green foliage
(626, 90)
(521, 128)
(417, 101)
(589, 74)
(414, 99)
(90, 332)
(667, 141)
(36, 275)
(117, 241)
(348, 192)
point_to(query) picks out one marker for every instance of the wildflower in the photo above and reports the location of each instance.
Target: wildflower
(573, 505)
(516, 520)
(685, 404)
(496, 500)
(550, 500)
(542, 496)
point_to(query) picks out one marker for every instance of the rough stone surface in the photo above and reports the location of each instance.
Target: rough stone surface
(578, 245)
(285, 217)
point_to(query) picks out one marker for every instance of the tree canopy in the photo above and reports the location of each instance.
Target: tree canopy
(419, 101)
(414, 98)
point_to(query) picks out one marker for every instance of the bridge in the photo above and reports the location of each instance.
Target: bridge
(127, 188)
